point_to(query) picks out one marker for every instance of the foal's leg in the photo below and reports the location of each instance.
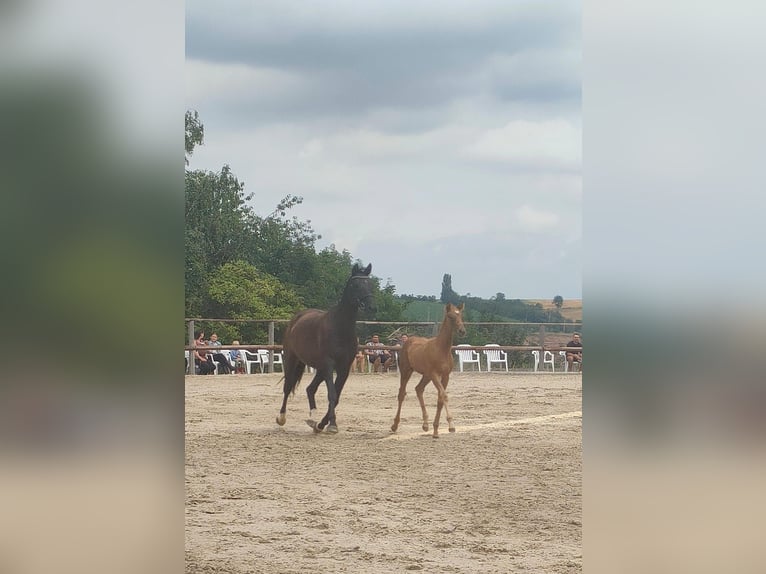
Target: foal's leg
(311, 392)
(404, 376)
(443, 400)
(419, 391)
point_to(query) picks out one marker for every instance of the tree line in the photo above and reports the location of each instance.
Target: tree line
(242, 265)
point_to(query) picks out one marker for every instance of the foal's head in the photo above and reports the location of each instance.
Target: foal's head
(359, 288)
(454, 314)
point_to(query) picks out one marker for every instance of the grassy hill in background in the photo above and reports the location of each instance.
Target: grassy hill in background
(572, 308)
(531, 310)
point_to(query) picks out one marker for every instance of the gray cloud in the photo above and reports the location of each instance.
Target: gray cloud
(448, 132)
(355, 63)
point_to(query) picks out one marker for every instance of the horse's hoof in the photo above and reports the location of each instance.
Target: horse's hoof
(452, 429)
(394, 427)
(425, 427)
(435, 435)
(281, 420)
(332, 429)
(314, 425)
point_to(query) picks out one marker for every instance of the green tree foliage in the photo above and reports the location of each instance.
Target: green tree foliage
(195, 133)
(284, 247)
(238, 290)
(558, 301)
(218, 224)
(331, 270)
(241, 264)
(389, 307)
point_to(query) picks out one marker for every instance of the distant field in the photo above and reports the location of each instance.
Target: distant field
(572, 308)
(434, 310)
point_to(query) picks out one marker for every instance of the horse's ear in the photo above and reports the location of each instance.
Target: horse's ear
(460, 307)
(355, 270)
(368, 269)
(447, 306)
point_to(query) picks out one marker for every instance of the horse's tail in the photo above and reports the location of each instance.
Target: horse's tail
(290, 387)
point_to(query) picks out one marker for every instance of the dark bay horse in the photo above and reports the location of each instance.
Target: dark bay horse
(433, 359)
(326, 341)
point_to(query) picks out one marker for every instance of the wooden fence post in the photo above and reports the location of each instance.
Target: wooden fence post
(271, 342)
(190, 354)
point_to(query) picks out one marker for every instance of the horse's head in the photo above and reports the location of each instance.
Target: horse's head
(455, 315)
(360, 288)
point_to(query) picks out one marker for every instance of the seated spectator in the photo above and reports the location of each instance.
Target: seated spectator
(224, 366)
(358, 366)
(574, 354)
(203, 363)
(400, 341)
(380, 358)
(236, 359)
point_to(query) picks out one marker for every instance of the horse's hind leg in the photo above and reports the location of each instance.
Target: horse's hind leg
(404, 377)
(419, 391)
(311, 392)
(293, 370)
(445, 382)
(282, 416)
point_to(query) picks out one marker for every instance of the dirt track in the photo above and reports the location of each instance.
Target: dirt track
(502, 494)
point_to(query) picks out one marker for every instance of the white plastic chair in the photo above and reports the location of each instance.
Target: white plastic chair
(566, 365)
(263, 354)
(251, 360)
(495, 356)
(278, 361)
(467, 357)
(547, 359)
(210, 358)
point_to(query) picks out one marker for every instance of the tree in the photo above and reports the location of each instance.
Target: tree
(389, 307)
(558, 300)
(448, 295)
(285, 248)
(195, 133)
(331, 270)
(237, 290)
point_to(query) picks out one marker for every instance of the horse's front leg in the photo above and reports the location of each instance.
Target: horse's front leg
(419, 391)
(311, 392)
(340, 380)
(443, 401)
(332, 400)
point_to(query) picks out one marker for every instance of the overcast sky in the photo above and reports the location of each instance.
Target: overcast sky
(425, 137)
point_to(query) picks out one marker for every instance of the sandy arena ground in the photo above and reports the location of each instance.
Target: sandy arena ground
(502, 494)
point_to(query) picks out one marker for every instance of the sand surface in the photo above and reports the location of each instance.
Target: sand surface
(501, 494)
